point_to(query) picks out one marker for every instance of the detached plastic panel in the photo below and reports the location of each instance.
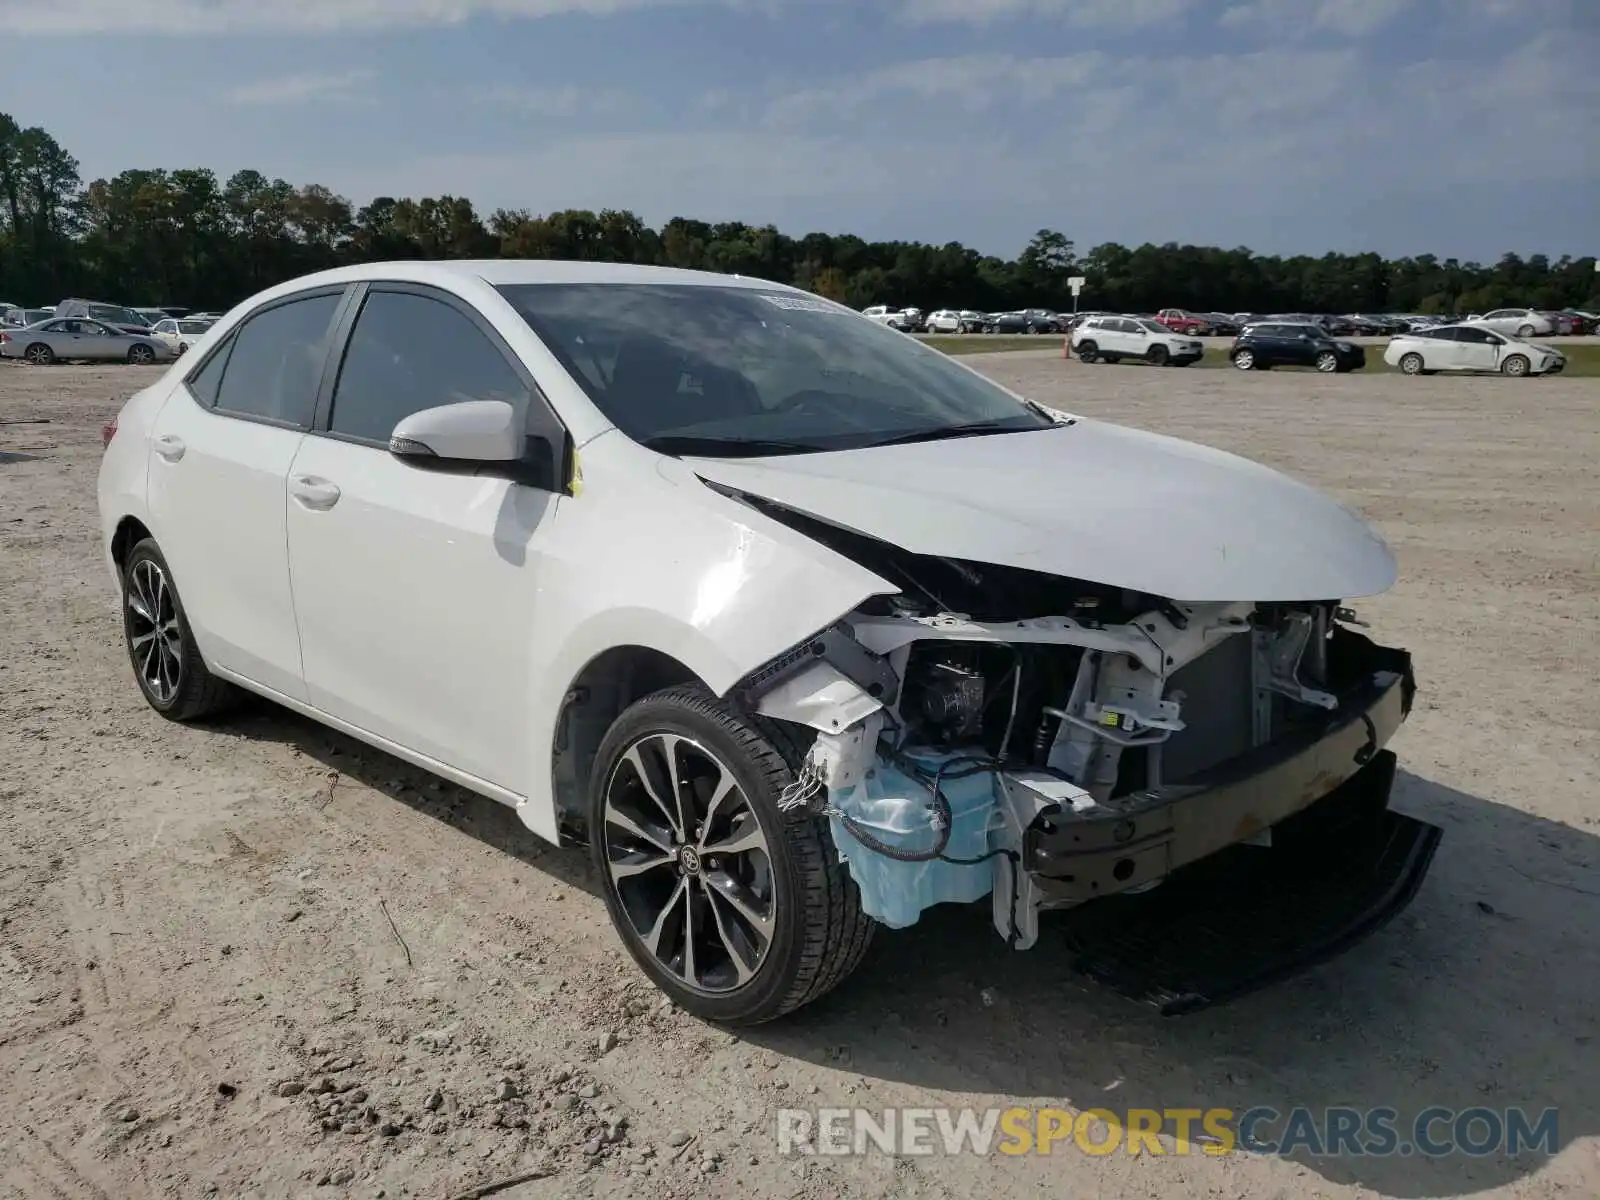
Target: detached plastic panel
(1252, 916)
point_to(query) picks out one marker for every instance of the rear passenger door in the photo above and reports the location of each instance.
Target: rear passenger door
(414, 588)
(220, 454)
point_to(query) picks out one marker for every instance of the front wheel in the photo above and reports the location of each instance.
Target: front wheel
(1411, 364)
(166, 660)
(1245, 360)
(738, 910)
(1517, 364)
(1327, 362)
(1157, 355)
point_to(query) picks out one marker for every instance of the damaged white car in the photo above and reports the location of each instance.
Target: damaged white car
(801, 626)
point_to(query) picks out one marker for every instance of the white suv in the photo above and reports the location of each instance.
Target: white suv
(894, 318)
(1111, 339)
(946, 320)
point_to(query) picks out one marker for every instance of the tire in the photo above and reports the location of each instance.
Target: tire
(1525, 331)
(1157, 356)
(1088, 352)
(1327, 362)
(1517, 365)
(1245, 360)
(172, 677)
(182, 349)
(39, 355)
(141, 356)
(1411, 364)
(816, 933)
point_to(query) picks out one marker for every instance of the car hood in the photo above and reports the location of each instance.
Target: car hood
(1087, 500)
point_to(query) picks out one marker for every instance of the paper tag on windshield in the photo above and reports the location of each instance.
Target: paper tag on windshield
(798, 303)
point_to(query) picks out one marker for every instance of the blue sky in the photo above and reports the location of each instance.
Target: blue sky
(1456, 127)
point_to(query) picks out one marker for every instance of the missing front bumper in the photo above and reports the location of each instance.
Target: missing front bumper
(1248, 917)
(1145, 837)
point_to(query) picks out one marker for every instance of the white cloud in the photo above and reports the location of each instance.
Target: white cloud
(198, 17)
(1348, 18)
(974, 83)
(1108, 15)
(302, 89)
(554, 101)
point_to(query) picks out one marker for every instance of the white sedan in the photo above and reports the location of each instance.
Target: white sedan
(1522, 322)
(1470, 348)
(800, 625)
(180, 334)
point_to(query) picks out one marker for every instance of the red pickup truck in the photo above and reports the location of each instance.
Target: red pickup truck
(1181, 321)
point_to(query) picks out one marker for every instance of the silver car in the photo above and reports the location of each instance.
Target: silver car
(78, 337)
(1519, 322)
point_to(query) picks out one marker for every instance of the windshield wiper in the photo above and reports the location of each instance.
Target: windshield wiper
(725, 447)
(971, 429)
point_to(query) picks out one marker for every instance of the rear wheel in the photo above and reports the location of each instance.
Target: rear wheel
(738, 910)
(1411, 364)
(1525, 331)
(1517, 364)
(166, 661)
(1088, 352)
(141, 356)
(39, 355)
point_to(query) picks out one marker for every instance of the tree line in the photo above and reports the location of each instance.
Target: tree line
(183, 236)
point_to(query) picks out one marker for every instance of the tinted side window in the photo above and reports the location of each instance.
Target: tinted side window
(276, 361)
(204, 382)
(410, 352)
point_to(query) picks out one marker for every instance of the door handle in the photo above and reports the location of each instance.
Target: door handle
(170, 447)
(314, 492)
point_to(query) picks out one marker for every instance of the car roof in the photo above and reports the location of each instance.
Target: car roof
(501, 272)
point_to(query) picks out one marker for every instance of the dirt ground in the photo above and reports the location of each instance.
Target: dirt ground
(258, 959)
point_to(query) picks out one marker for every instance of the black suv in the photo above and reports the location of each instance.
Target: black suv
(1283, 344)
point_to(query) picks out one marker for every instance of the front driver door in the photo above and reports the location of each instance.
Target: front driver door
(1477, 349)
(414, 588)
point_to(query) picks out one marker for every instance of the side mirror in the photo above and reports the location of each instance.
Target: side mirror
(482, 431)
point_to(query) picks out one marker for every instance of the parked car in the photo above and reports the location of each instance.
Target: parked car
(1470, 348)
(894, 318)
(180, 335)
(1181, 320)
(1112, 339)
(1563, 324)
(1221, 324)
(62, 338)
(17, 317)
(1523, 322)
(1008, 322)
(973, 321)
(946, 320)
(124, 319)
(1294, 344)
(762, 644)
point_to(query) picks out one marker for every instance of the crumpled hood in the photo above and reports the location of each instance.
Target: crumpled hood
(1092, 501)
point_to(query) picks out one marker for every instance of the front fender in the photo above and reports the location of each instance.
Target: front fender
(647, 555)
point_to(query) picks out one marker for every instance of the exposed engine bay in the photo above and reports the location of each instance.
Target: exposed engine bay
(1046, 741)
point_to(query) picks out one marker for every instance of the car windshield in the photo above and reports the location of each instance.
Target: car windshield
(119, 316)
(738, 371)
(1153, 326)
(193, 326)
